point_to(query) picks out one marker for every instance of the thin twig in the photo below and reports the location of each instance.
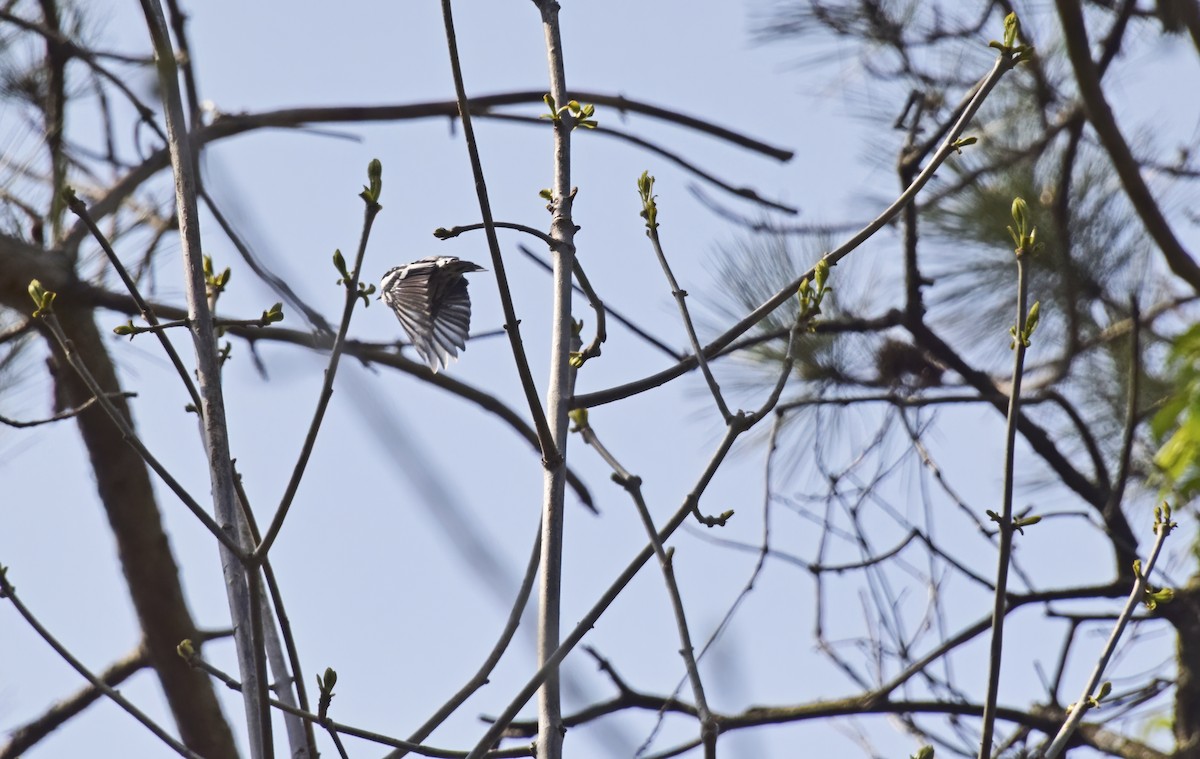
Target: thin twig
(584, 286)
(276, 283)
(710, 730)
(739, 424)
(605, 130)
(383, 354)
(1005, 521)
(367, 735)
(89, 57)
(680, 296)
(561, 383)
(127, 431)
(230, 125)
(215, 431)
(595, 301)
(371, 210)
(24, 737)
(480, 678)
(7, 591)
(69, 413)
(1124, 163)
(1002, 66)
(598, 339)
(1136, 596)
(446, 234)
(633, 485)
(79, 208)
(292, 671)
(1131, 408)
(511, 322)
(589, 620)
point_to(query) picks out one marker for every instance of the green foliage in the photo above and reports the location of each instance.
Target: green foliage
(1009, 48)
(1152, 596)
(1093, 702)
(214, 284)
(325, 687)
(580, 113)
(583, 114)
(1018, 523)
(1021, 522)
(1162, 519)
(750, 272)
(645, 184)
(339, 263)
(365, 291)
(962, 143)
(1155, 597)
(371, 191)
(186, 650)
(811, 297)
(273, 314)
(1031, 323)
(1025, 235)
(579, 418)
(1176, 425)
(43, 299)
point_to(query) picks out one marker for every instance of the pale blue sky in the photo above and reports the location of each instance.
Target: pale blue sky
(379, 587)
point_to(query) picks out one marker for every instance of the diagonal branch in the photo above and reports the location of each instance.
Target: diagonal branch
(215, 433)
(230, 125)
(947, 148)
(1127, 168)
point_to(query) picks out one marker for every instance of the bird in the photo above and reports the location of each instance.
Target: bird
(431, 301)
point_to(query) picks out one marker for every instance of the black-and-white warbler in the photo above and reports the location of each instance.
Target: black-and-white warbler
(430, 299)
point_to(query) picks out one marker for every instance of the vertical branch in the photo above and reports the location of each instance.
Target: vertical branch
(288, 675)
(511, 322)
(558, 394)
(1131, 409)
(551, 435)
(907, 168)
(208, 374)
(119, 462)
(179, 21)
(1024, 243)
(588, 621)
(54, 110)
(740, 423)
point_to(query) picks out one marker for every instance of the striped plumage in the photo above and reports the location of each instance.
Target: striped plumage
(430, 299)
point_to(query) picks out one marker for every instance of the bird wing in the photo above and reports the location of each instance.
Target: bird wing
(434, 308)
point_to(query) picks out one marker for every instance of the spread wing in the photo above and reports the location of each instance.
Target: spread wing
(434, 308)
